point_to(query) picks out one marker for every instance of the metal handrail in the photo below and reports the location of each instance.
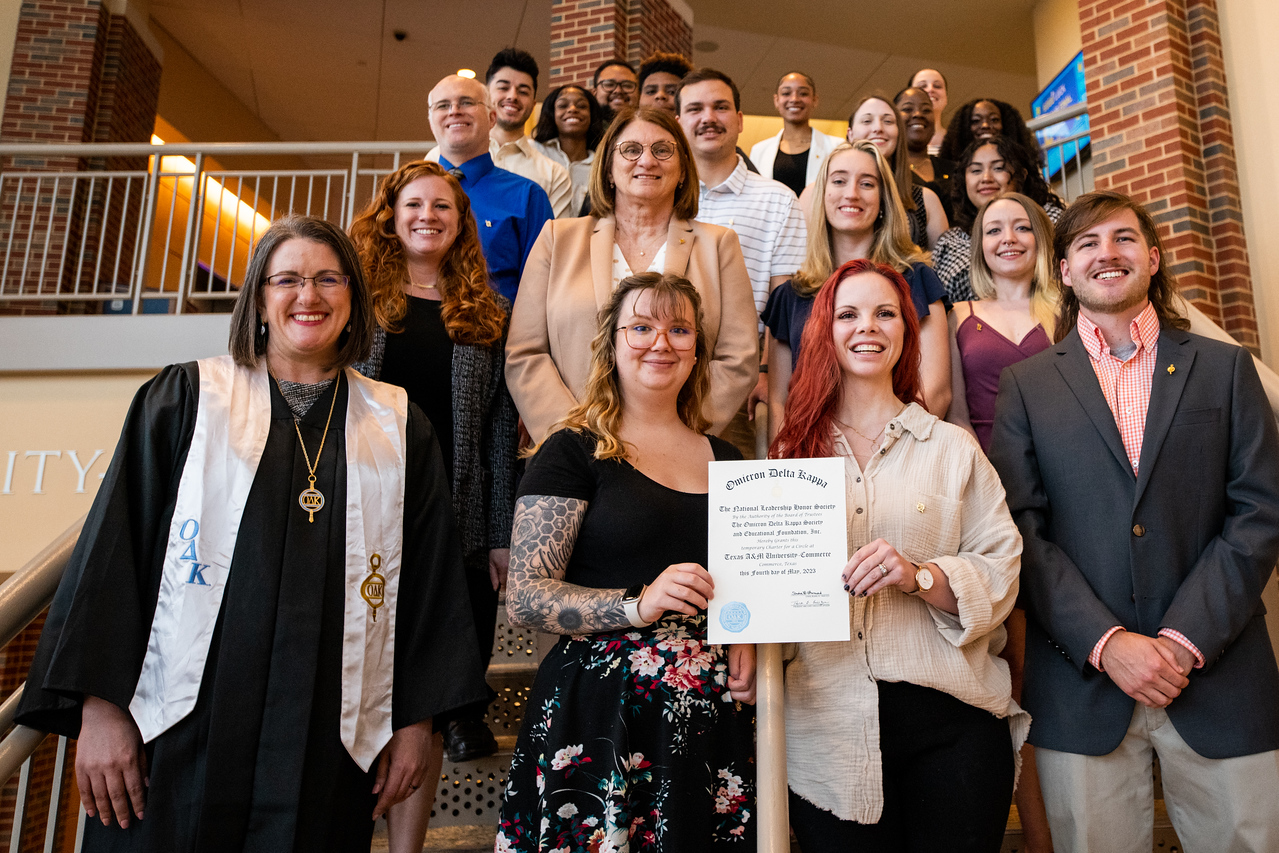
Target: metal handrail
(1049, 119)
(209, 149)
(31, 588)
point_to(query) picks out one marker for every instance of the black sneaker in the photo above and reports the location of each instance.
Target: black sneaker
(467, 740)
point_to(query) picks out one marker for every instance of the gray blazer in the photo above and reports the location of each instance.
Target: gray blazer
(1187, 544)
(485, 453)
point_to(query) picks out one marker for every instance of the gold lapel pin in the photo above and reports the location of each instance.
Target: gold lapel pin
(681, 240)
(919, 507)
(1171, 370)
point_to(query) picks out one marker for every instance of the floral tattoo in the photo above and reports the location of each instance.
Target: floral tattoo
(537, 596)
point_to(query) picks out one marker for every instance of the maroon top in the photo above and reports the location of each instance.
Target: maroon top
(985, 353)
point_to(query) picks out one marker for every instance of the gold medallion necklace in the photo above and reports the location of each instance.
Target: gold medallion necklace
(312, 499)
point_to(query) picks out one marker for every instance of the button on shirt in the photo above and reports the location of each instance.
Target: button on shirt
(930, 492)
(1126, 386)
(769, 224)
(510, 212)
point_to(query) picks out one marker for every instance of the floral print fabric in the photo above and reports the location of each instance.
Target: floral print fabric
(632, 743)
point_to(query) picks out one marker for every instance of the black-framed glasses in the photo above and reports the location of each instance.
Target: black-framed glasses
(324, 281)
(661, 149)
(644, 336)
(625, 86)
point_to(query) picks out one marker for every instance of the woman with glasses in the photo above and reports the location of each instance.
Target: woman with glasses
(568, 131)
(632, 739)
(261, 615)
(643, 199)
(440, 335)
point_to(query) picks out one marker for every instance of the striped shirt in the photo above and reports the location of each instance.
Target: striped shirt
(1126, 386)
(766, 216)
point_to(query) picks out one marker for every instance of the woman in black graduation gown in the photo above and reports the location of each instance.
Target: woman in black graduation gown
(259, 762)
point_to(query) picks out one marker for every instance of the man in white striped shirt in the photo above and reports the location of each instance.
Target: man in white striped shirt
(763, 212)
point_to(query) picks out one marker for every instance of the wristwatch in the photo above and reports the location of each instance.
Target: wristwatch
(923, 579)
(631, 602)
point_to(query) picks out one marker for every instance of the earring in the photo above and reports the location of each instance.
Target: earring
(261, 328)
(348, 327)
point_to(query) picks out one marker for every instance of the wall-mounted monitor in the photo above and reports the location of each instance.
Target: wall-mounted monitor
(1065, 90)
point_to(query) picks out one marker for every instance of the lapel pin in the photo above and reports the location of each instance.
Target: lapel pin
(1171, 370)
(681, 240)
(919, 507)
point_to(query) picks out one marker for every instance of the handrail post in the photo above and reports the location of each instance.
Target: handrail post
(142, 247)
(348, 215)
(770, 766)
(191, 241)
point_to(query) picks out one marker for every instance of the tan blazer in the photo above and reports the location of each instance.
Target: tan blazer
(568, 278)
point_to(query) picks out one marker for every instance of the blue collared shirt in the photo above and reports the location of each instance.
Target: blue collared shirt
(510, 212)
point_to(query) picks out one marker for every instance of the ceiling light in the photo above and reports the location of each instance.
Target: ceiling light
(466, 72)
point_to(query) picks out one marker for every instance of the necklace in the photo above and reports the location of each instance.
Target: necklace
(871, 439)
(312, 499)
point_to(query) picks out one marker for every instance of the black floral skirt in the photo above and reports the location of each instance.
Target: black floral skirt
(631, 743)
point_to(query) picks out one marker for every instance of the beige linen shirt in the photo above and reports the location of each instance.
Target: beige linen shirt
(930, 493)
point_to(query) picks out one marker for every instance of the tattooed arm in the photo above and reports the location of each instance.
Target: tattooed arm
(537, 596)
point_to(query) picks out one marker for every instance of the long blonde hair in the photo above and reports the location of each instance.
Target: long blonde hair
(1045, 285)
(891, 245)
(600, 411)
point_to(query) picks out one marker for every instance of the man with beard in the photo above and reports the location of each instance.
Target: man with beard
(512, 86)
(1142, 466)
(763, 212)
(615, 87)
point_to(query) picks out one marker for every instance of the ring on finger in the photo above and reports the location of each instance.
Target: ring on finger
(883, 570)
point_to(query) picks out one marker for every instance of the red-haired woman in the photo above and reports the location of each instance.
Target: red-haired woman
(441, 335)
(904, 738)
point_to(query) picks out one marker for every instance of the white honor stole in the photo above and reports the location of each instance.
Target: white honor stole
(231, 425)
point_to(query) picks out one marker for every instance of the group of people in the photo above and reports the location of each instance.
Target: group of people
(1062, 505)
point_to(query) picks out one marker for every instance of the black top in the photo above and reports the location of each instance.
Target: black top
(786, 311)
(419, 358)
(258, 764)
(634, 527)
(791, 170)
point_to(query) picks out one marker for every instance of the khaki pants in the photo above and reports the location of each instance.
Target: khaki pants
(1105, 803)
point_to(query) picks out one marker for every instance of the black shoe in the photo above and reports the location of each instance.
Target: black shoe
(467, 740)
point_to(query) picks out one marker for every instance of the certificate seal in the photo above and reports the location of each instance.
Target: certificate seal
(734, 617)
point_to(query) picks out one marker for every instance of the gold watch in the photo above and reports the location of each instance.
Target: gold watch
(923, 578)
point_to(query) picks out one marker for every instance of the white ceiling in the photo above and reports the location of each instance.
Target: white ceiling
(333, 70)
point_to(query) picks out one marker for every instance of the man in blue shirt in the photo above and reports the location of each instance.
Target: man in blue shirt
(509, 210)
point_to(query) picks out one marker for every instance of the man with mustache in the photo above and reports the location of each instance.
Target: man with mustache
(764, 213)
(1141, 464)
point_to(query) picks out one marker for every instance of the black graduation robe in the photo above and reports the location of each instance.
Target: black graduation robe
(258, 764)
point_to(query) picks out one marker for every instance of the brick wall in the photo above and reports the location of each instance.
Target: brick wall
(79, 74)
(585, 33)
(1161, 133)
(655, 25)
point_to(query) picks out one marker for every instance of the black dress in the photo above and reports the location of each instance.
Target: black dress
(258, 765)
(630, 736)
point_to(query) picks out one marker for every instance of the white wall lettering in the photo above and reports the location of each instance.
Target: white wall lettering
(82, 470)
(8, 474)
(44, 455)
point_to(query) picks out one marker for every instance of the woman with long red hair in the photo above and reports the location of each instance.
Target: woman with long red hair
(905, 737)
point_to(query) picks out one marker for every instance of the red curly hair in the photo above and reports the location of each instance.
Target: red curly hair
(472, 312)
(815, 386)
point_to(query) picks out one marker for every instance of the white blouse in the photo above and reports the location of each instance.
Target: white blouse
(930, 493)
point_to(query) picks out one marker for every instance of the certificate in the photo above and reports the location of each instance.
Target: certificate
(778, 539)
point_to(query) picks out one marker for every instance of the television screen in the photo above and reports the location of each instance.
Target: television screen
(1065, 90)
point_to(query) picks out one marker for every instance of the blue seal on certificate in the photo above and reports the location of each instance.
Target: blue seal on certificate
(734, 616)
